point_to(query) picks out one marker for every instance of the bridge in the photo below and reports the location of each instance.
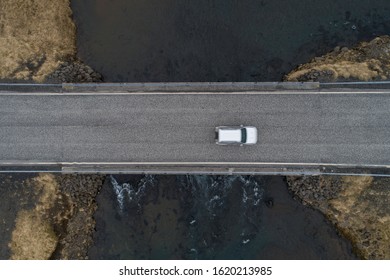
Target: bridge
(304, 128)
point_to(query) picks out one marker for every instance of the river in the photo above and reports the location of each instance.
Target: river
(209, 217)
(220, 40)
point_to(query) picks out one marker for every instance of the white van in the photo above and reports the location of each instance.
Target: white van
(235, 135)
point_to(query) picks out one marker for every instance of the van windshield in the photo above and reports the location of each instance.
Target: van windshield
(243, 135)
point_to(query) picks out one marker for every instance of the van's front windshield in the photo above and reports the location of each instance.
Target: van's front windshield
(243, 135)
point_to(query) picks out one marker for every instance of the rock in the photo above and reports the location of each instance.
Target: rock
(366, 62)
(73, 71)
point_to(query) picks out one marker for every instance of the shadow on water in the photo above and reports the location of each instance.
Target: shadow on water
(220, 40)
(209, 217)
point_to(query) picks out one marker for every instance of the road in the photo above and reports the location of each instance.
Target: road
(335, 128)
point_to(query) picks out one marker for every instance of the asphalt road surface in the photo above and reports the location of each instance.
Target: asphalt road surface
(293, 128)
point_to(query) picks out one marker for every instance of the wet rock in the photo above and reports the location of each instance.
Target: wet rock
(74, 71)
(269, 202)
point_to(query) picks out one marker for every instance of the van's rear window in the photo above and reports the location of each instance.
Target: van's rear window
(243, 135)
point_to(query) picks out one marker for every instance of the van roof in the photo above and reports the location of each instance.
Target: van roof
(229, 135)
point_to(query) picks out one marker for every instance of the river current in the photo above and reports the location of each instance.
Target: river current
(209, 217)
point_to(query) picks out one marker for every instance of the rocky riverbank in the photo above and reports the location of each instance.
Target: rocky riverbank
(73, 71)
(368, 61)
(57, 222)
(38, 43)
(357, 205)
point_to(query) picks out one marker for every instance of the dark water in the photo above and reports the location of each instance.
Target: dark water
(209, 217)
(220, 40)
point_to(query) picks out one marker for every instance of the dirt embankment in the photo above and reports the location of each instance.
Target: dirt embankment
(38, 43)
(60, 224)
(369, 61)
(359, 206)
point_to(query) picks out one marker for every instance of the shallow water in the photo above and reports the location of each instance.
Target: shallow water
(220, 40)
(209, 217)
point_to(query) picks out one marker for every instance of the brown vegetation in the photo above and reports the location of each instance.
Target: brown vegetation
(61, 224)
(366, 62)
(36, 36)
(33, 237)
(359, 206)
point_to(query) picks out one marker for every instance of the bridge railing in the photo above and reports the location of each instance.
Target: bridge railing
(190, 87)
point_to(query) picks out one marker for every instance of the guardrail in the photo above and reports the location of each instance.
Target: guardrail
(191, 87)
(158, 87)
(198, 168)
